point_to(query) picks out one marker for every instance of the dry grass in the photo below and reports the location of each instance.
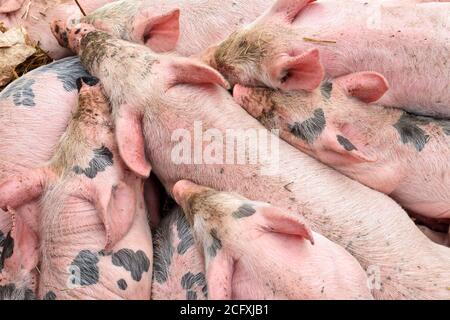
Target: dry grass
(39, 58)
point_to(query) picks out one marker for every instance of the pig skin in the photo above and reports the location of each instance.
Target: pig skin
(218, 19)
(35, 16)
(256, 251)
(74, 264)
(179, 269)
(352, 36)
(343, 210)
(394, 152)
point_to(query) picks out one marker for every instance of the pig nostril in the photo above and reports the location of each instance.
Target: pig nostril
(89, 80)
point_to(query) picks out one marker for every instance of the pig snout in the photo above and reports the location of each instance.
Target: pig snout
(89, 80)
(60, 32)
(242, 95)
(69, 36)
(183, 191)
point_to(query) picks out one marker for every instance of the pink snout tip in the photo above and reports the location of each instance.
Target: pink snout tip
(182, 189)
(239, 92)
(59, 30)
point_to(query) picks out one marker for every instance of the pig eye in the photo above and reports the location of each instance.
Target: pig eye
(285, 77)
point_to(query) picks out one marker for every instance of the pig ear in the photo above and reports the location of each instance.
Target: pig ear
(190, 71)
(289, 9)
(366, 86)
(20, 189)
(219, 275)
(159, 32)
(131, 141)
(300, 72)
(7, 6)
(278, 221)
(21, 245)
(344, 146)
(117, 208)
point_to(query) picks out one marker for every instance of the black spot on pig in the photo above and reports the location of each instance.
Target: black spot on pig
(325, 88)
(84, 268)
(67, 70)
(191, 295)
(185, 235)
(8, 249)
(135, 262)
(103, 158)
(21, 91)
(216, 244)
(122, 284)
(49, 296)
(343, 141)
(2, 239)
(410, 132)
(245, 210)
(189, 280)
(163, 248)
(311, 128)
(11, 292)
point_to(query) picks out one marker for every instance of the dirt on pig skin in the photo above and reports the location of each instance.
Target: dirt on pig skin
(389, 150)
(94, 234)
(173, 24)
(257, 251)
(35, 16)
(38, 106)
(275, 50)
(171, 93)
(179, 269)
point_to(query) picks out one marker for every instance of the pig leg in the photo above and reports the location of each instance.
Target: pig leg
(24, 254)
(20, 189)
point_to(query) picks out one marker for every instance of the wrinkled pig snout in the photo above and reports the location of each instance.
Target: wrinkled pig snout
(59, 30)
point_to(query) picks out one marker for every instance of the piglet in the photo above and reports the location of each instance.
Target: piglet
(256, 251)
(179, 268)
(389, 150)
(18, 258)
(153, 96)
(166, 25)
(95, 239)
(279, 49)
(35, 16)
